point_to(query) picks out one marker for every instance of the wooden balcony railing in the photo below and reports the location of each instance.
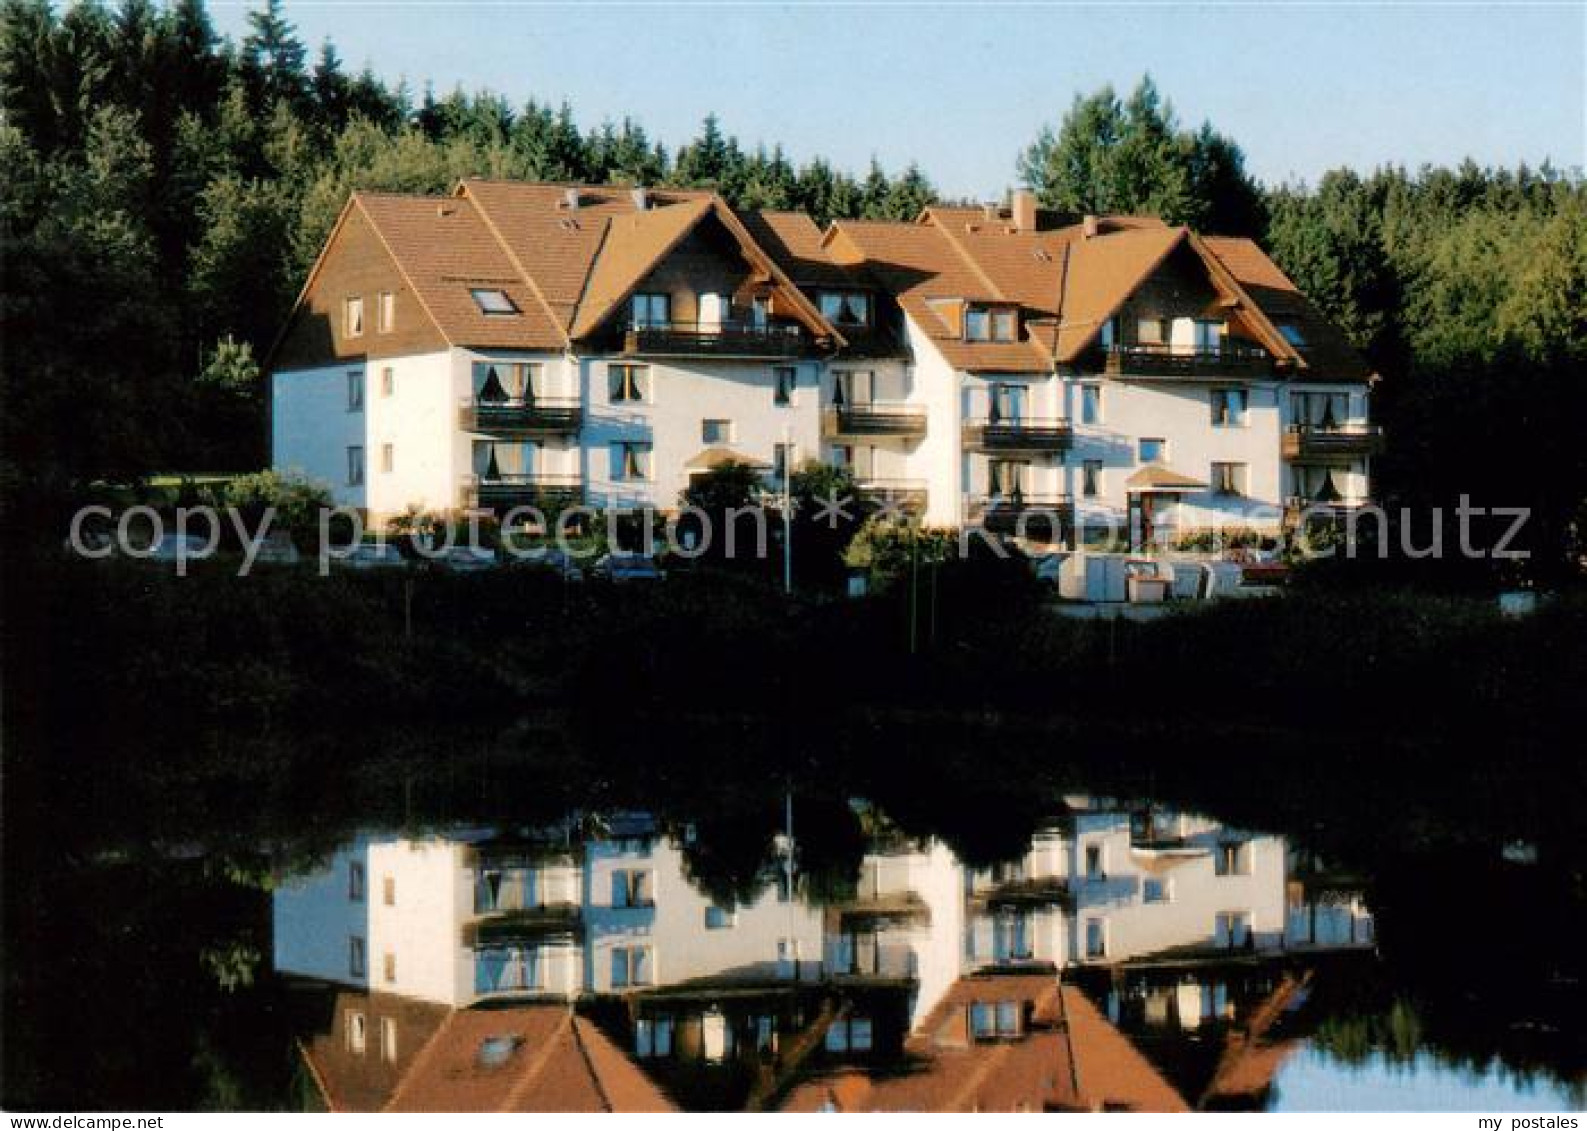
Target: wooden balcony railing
(715, 339)
(549, 493)
(1170, 361)
(876, 419)
(529, 415)
(1315, 441)
(1018, 434)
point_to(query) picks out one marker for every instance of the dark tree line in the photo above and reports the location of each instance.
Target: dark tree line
(166, 191)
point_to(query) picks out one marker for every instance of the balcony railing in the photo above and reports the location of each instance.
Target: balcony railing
(1172, 361)
(1017, 512)
(1018, 434)
(543, 415)
(1315, 441)
(1298, 506)
(549, 493)
(715, 339)
(876, 419)
(906, 495)
(526, 925)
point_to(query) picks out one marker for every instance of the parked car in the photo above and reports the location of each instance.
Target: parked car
(278, 549)
(373, 555)
(180, 547)
(552, 558)
(625, 567)
(467, 559)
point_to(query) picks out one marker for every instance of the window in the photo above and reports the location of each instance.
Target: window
(785, 377)
(1208, 335)
(1232, 929)
(355, 881)
(1152, 331)
(627, 383)
(1004, 324)
(355, 956)
(1153, 449)
(718, 918)
(852, 1034)
(388, 1040)
(355, 466)
(355, 390)
(1228, 408)
(651, 309)
(1228, 479)
(846, 308)
(492, 300)
(1096, 938)
(630, 461)
(1292, 334)
(388, 966)
(1007, 402)
(353, 318)
(782, 460)
(716, 431)
(759, 311)
(508, 969)
(1091, 478)
(631, 888)
(977, 324)
(1094, 868)
(653, 1036)
(1090, 404)
(994, 1021)
(1233, 858)
(388, 381)
(1109, 334)
(1155, 890)
(1013, 935)
(385, 312)
(388, 458)
(630, 966)
(388, 887)
(357, 1037)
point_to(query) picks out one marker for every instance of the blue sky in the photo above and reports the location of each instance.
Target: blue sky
(962, 88)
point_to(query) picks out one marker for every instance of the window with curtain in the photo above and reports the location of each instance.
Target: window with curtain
(651, 309)
(353, 318)
(626, 383)
(784, 378)
(1091, 478)
(1007, 477)
(1228, 408)
(630, 461)
(1090, 404)
(846, 308)
(1228, 478)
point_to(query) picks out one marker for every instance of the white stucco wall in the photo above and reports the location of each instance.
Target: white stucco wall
(312, 428)
(419, 420)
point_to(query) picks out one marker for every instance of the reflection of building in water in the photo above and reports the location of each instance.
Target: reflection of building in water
(929, 984)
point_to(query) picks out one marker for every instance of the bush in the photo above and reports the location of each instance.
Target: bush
(297, 499)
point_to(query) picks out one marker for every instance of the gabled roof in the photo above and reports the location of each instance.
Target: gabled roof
(794, 241)
(632, 248)
(1069, 1057)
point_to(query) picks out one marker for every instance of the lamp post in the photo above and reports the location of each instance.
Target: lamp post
(787, 509)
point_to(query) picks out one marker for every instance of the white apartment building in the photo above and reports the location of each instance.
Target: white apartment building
(545, 345)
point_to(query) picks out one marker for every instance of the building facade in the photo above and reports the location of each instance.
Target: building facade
(547, 346)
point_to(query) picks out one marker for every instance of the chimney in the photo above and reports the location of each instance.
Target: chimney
(640, 198)
(570, 199)
(445, 208)
(1022, 203)
(1089, 227)
(988, 211)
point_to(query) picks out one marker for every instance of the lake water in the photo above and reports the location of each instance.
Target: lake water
(798, 951)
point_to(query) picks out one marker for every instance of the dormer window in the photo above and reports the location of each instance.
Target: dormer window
(492, 300)
(651, 309)
(846, 308)
(989, 324)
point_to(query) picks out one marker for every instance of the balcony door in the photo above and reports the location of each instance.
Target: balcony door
(505, 382)
(1008, 478)
(855, 388)
(1009, 403)
(509, 460)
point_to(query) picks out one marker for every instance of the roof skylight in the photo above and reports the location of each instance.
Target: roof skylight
(492, 300)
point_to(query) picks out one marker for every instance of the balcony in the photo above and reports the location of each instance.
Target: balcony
(547, 493)
(1034, 514)
(1323, 510)
(1171, 361)
(1022, 434)
(546, 922)
(542, 416)
(907, 496)
(1320, 442)
(715, 339)
(876, 419)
